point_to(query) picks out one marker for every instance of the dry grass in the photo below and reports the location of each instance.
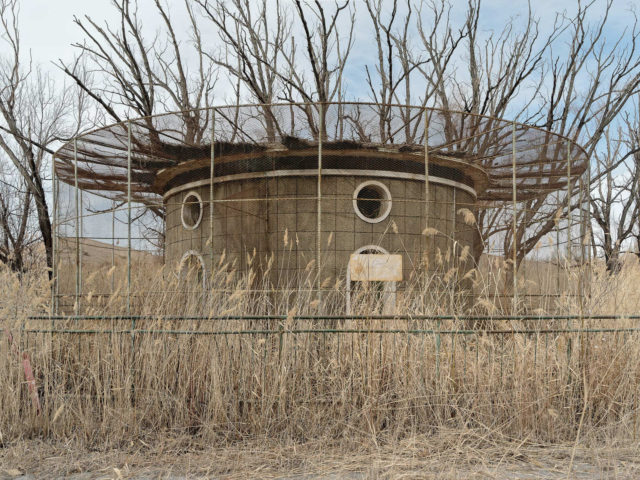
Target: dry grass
(388, 394)
(444, 455)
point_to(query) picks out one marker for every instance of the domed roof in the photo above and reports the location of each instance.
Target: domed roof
(165, 146)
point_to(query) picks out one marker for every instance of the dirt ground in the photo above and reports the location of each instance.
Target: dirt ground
(424, 458)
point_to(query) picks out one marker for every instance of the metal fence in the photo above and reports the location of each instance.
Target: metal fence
(276, 193)
(533, 375)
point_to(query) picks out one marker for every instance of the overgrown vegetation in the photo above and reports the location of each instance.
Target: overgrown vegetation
(236, 378)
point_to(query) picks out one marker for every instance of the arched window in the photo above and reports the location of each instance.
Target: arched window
(377, 296)
(191, 270)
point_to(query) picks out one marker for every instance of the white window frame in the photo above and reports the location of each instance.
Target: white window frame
(192, 193)
(390, 288)
(387, 201)
(198, 255)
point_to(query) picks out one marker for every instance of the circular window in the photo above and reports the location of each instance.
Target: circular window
(372, 201)
(191, 269)
(191, 211)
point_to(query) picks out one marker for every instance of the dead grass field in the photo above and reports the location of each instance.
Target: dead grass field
(374, 405)
(445, 455)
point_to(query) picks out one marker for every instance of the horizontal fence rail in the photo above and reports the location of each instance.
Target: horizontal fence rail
(483, 323)
(336, 331)
(338, 317)
(203, 371)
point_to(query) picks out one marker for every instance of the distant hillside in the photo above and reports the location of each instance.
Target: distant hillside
(99, 253)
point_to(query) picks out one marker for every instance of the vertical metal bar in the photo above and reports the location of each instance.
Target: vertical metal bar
(54, 246)
(464, 349)
(129, 218)
(426, 201)
(569, 249)
(501, 358)
(56, 240)
(535, 356)
(583, 229)
(477, 372)
(113, 262)
(569, 212)
(557, 221)
(590, 249)
(133, 321)
(515, 237)
(81, 221)
(438, 341)
(77, 223)
(319, 203)
(454, 227)
(454, 256)
(113, 245)
(452, 358)
(581, 270)
(211, 196)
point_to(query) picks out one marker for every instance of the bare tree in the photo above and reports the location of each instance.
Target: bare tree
(520, 74)
(327, 50)
(486, 81)
(589, 88)
(614, 205)
(397, 63)
(32, 112)
(140, 77)
(498, 69)
(253, 36)
(16, 235)
(440, 42)
(631, 161)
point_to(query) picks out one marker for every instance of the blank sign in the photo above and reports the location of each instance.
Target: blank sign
(375, 267)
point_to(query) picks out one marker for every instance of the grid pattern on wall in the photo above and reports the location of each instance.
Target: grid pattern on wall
(119, 193)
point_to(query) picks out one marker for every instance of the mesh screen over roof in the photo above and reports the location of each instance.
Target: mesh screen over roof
(166, 144)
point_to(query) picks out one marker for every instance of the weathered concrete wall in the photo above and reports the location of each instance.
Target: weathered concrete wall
(255, 214)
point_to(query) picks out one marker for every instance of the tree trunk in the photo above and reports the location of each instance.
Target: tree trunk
(612, 260)
(44, 223)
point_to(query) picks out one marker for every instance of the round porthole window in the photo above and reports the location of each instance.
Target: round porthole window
(191, 211)
(372, 201)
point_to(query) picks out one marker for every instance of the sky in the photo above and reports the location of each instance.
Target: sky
(48, 31)
(47, 26)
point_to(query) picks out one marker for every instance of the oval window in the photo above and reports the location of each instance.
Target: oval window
(191, 211)
(372, 201)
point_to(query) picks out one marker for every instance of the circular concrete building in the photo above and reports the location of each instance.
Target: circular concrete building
(341, 194)
(368, 205)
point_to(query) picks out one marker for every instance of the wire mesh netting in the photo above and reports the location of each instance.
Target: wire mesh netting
(342, 207)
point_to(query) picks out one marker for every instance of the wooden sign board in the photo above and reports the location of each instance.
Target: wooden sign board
(374, 267)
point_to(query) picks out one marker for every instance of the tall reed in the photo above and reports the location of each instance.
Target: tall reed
(109, 381)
